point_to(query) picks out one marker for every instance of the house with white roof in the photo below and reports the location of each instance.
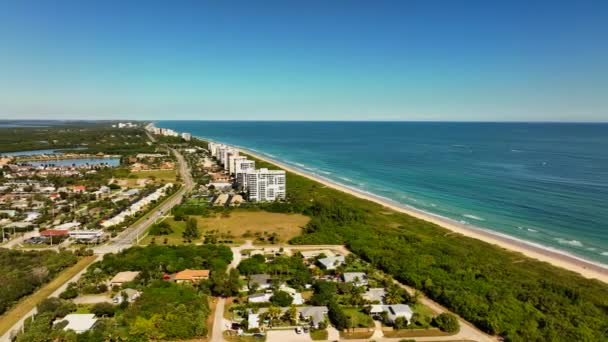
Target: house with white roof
(356, 278)
(79, 323)
(393, 311)
(331, 263)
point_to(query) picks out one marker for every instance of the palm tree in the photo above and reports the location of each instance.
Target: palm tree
(274, 312)
(393, 295)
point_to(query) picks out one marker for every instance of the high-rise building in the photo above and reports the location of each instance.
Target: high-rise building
(186, 136)
(232, 163)
(265, 185)
(241, 167)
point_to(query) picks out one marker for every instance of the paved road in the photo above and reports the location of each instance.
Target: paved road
(218, 321)
(131, 235)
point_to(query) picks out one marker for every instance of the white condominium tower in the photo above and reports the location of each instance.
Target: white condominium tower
(232, 163)
(266, 185)
(241, 167)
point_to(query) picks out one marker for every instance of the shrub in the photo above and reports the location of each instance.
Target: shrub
(446, 322)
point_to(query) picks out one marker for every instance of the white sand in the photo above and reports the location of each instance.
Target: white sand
(585, 268)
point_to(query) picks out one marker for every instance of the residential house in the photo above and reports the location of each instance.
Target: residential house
(331, 263)
(79, 323)
(260, 281)
(356, 278)
(259, 298)
(123, 277)
(375, 295)
(393, 311)
(191, 276)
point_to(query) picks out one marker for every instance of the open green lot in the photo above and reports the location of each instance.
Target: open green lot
(161, 175)
(239, 226)
(358, 318)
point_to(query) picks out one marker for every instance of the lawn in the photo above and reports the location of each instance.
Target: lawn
(164, 175)
(319, 335)
(28, 303)
(239, 226)
(415, 333)
(356, 335)
(359, 318)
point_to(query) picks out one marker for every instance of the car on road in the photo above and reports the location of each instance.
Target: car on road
(298, 330)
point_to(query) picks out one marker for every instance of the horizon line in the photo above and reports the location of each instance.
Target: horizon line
(270, 120)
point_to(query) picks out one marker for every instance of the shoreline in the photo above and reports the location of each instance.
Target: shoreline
(585, 268)
(556, 258)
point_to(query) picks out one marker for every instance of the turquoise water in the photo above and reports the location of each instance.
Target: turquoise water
(543, 183)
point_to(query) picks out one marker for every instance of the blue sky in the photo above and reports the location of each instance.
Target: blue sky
(305, 60)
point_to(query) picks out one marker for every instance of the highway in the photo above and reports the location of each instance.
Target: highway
(131, 235)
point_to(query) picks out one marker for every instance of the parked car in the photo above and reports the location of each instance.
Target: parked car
(298, 330)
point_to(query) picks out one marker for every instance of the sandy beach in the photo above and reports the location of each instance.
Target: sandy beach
(584, 268)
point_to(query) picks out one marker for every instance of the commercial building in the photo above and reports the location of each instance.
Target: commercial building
(186, 136)
(265, 185)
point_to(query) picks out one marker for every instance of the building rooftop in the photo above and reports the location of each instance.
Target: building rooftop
(191, 274)
(124, 277)
(79, 322)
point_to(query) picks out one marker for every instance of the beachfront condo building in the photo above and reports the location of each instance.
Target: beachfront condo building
(229, 153)
(241, 167)
(214, 149)
(186, 136)
(232, 163)
(265, 185)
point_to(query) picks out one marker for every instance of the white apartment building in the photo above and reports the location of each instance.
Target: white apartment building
(186, 136)
(232, 163)
(241, 167)
(227, 152)
(266, 185)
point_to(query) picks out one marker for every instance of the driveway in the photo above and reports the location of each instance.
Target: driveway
(92, 299)
(286, 335)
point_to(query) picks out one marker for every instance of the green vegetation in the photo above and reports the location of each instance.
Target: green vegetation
(501, 292)
(164, 311)
(446, 322)
(154, 261)
(167, 311)
(282, 269)
(22, 272)
(319, 334)
(96, 137)
(357, 318)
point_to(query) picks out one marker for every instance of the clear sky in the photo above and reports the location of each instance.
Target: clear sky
(305, 60)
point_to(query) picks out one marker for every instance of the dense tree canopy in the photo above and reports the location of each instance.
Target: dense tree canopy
(21, 272)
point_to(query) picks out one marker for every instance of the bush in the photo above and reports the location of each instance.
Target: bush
(446, 322)
(162, 228)
(103, 310)
(70, 293)
(281, 298)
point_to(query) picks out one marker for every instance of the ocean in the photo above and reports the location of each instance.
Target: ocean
(544, 183)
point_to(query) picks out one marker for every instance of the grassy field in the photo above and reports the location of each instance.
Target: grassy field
(240, 226)
(165, 175)
(356, 335)
(415, 333)
(319, 335)
(28, 303)
(359, 318)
